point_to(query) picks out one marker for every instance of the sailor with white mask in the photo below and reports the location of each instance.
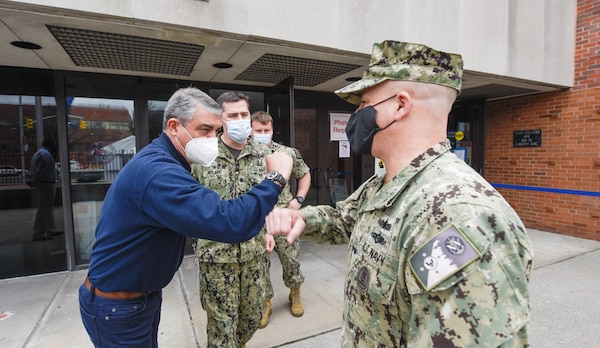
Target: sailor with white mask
(236, 121)
(234, 315)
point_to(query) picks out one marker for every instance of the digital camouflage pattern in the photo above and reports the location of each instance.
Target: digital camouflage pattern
(233, 314)
(434, 211)
(299, 169)
(394, 60)
(231, 178)
(288, 253)
(224, 286)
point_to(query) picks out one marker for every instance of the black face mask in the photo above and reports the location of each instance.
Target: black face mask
(362, 127)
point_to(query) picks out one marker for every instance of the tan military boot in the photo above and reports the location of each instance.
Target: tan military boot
(296, 302)
(266, 314)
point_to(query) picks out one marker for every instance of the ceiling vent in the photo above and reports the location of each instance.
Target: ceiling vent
(103, 50)
(273, 68)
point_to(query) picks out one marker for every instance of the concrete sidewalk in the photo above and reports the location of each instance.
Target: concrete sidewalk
(565, 291)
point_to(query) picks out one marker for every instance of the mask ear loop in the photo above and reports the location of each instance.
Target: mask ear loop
(383, 101)
(377, 129)
(186, 131)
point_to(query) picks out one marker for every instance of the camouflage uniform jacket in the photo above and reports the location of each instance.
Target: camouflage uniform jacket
(437, 258)
(299, 169)
(231, 178)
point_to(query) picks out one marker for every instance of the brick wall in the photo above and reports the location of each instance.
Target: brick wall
(568, 159)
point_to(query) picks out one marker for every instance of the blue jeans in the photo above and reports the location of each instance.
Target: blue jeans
(120, 323)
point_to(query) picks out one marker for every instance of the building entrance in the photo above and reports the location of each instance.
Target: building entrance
(466, 131)
(334, 175)
(100, 122)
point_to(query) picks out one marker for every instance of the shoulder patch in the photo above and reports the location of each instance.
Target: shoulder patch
(443, 256)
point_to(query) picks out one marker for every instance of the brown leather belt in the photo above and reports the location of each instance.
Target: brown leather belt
(117, 295)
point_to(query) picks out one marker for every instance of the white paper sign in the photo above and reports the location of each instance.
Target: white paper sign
(379, 167)
(344, 149)
(337, 126)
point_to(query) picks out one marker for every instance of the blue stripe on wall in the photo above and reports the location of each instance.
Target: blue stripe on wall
(548, 189)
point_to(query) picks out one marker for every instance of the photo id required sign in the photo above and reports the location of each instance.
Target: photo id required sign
(337, 126)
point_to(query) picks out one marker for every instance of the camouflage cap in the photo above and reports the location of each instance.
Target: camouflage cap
(394, 60)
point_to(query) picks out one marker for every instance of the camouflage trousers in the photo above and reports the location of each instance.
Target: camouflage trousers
(290, 264)
(233, 296)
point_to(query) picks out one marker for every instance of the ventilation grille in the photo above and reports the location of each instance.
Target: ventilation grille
(272, 68)
(96, 49)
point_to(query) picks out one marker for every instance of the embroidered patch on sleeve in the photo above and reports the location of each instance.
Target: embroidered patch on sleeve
(441, 257)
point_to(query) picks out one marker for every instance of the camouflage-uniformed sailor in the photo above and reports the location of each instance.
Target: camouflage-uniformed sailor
(437, 257)
(262, 131)
(231, 277)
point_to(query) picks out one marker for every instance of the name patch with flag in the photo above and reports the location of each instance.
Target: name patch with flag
(441, 257)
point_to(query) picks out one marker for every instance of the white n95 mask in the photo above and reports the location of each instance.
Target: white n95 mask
(202, 151)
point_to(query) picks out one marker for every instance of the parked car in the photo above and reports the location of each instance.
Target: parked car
(87, 175)
(80, 174)
(74, 165)
(8, 170)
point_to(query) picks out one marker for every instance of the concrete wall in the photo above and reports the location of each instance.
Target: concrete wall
(530, 40)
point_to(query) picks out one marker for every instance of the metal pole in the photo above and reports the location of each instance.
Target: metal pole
(21, 136)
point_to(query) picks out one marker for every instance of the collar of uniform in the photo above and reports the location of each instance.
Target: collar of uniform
(384, 196)
(250, 148)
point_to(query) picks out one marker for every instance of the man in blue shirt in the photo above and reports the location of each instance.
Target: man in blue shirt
(43, 170)
(150, 208)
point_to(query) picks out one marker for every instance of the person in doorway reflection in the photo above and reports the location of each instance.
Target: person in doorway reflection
(262, 132)
(43, 170)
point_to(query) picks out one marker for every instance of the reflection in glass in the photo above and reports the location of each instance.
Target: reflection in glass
(25, 121)
(101, 142)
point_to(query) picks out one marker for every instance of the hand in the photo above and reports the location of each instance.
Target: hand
(280, 162)
(287, 222)
(294, 204)
(269, 242)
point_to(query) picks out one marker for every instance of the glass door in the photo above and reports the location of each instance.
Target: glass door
(333, 174)
(280, 105)
(32, 239)
(101, 140)
(466, 131)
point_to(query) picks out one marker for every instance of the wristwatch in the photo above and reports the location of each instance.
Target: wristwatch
(300, 199)
(276, 177)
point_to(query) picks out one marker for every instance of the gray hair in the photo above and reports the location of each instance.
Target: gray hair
(185, 102)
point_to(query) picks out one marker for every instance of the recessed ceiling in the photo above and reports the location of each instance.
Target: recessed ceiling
(494, 91)
(78, 41)
(274, 68)
(95, 49)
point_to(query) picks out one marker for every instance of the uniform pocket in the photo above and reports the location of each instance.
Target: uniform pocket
(378, 280)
